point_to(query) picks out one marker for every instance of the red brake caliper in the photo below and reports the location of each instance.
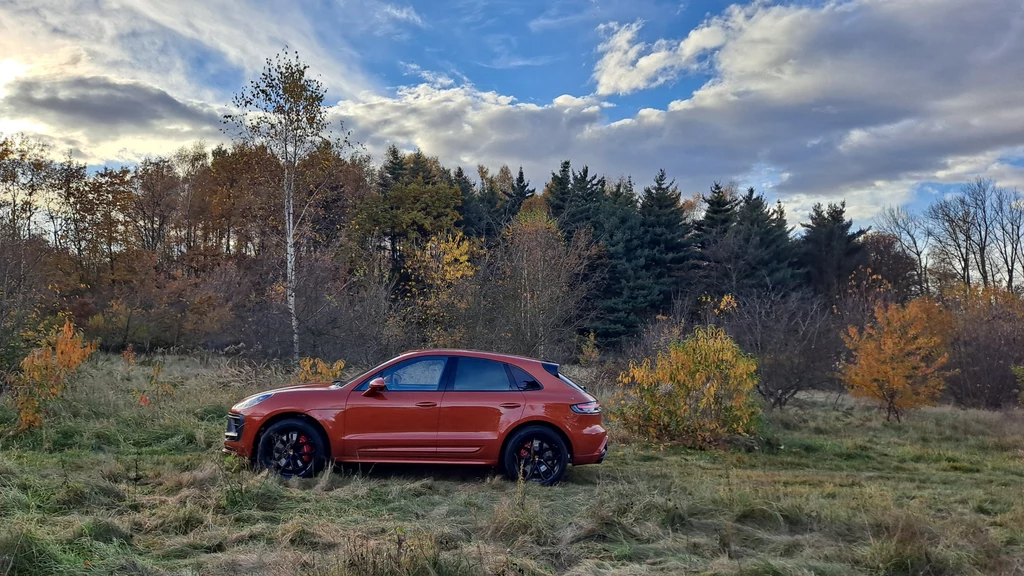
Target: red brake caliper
(307, 449)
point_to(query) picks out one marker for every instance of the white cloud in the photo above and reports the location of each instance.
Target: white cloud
(627, 65)
(855, 99)
(402, 13)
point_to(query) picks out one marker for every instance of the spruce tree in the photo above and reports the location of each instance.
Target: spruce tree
(829, 251)
(470, 212)
(667, 237)
(719, 215)
(764, 254)
(558, 192)
(583, 206)
(520, 192)
(626, 290)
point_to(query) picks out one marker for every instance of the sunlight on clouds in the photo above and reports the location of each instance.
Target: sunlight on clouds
(10, 69)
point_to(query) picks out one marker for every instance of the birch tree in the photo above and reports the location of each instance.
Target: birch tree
(284, 111)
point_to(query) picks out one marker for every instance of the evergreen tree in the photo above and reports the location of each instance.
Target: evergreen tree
(667, 237)
(719, 215)
(583, 207)
(829, 251)
(470, 213)
(489, 206)
(626, 290)
(520, 192)
(393, 170)
(559, 190)
(764, 255)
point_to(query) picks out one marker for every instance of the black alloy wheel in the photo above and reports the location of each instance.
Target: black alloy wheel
(292, 448)
(538, 454)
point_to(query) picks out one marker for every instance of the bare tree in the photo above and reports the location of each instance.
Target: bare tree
(949, 223)
(795, 338)
(911, 233)
(1008, 210)
(284, 111)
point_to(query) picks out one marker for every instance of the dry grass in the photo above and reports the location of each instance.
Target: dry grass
(110, 486)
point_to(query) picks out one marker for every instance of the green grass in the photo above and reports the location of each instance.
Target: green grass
(111, 486)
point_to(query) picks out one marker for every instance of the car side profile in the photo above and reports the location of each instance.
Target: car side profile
(430, 406)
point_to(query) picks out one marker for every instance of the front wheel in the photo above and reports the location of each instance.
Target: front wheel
(537, 454)
(291, 448)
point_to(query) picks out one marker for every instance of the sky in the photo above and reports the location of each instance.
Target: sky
(875, 102)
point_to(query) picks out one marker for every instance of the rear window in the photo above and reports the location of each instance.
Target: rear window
(566, 379)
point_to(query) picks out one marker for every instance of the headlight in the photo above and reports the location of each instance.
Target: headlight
(251, 401)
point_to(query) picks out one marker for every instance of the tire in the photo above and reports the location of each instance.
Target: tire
(539, 453)
(292, 448)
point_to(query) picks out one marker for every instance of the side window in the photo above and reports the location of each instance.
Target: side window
(523, 379)
(480, 375)
(417, 374)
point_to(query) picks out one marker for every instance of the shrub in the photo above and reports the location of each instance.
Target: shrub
(45, 372)
(897, 359)
(697, 392)
(316, 370)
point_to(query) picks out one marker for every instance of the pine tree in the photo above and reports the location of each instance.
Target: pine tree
(558, 192)
(393, 170)
(667, 237)
(470, 213)
(520, 192)
(829, 251)
(585, 195)
(719, 215)
(765, 253)
(626, 291)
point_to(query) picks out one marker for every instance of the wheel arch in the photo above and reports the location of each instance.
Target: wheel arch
(286, 416)
(554, 427)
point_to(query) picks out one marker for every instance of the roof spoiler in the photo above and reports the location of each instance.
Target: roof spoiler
(551, 368)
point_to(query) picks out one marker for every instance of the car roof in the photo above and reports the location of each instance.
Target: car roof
(471, 353)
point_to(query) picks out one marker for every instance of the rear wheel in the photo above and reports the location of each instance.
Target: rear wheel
(538, 454)
(291, 448)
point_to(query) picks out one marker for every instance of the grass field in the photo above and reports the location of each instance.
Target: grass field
(111, 486)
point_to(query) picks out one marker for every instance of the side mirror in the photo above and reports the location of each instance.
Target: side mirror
(376, 386)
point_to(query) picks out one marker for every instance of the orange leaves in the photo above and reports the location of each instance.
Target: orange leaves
(897, 359)
(46, 370)
(316, 370)
(697, 392)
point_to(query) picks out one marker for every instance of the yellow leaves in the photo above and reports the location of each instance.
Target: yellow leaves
(697, 392)
(897, 358)
(46, 370)
(316, 370)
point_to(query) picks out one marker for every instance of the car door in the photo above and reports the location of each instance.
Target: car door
(399, 423)
(480, 403)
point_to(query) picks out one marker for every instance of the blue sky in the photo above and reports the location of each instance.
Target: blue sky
(876, 102)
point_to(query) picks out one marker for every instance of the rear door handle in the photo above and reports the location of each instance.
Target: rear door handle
(426, 404)
(510, 405)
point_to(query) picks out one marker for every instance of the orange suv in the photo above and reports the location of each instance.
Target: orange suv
(432, 406)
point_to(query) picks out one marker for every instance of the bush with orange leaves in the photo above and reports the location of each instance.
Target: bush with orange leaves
(316, 370)
(897, 359)
(45, 373)
(697, 392)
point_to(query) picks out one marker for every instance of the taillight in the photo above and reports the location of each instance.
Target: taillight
(587, 408)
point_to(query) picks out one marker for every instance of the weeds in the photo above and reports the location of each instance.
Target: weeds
(111, 486)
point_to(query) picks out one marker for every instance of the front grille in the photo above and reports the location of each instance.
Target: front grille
(235, 424)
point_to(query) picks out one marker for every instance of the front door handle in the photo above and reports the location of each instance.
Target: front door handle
(510, 405)
(426, 404)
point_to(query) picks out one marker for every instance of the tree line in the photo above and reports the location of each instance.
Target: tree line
(291, 241)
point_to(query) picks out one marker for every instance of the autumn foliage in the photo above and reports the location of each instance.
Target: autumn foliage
(697, 392)
(316, 370)
(897, 359)
(45, 373)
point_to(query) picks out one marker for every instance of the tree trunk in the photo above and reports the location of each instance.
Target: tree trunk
(289, 226)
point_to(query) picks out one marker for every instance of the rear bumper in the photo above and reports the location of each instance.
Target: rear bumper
(594, 457)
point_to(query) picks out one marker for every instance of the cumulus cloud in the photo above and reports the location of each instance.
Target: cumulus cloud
(855, 99)
(627, 65)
